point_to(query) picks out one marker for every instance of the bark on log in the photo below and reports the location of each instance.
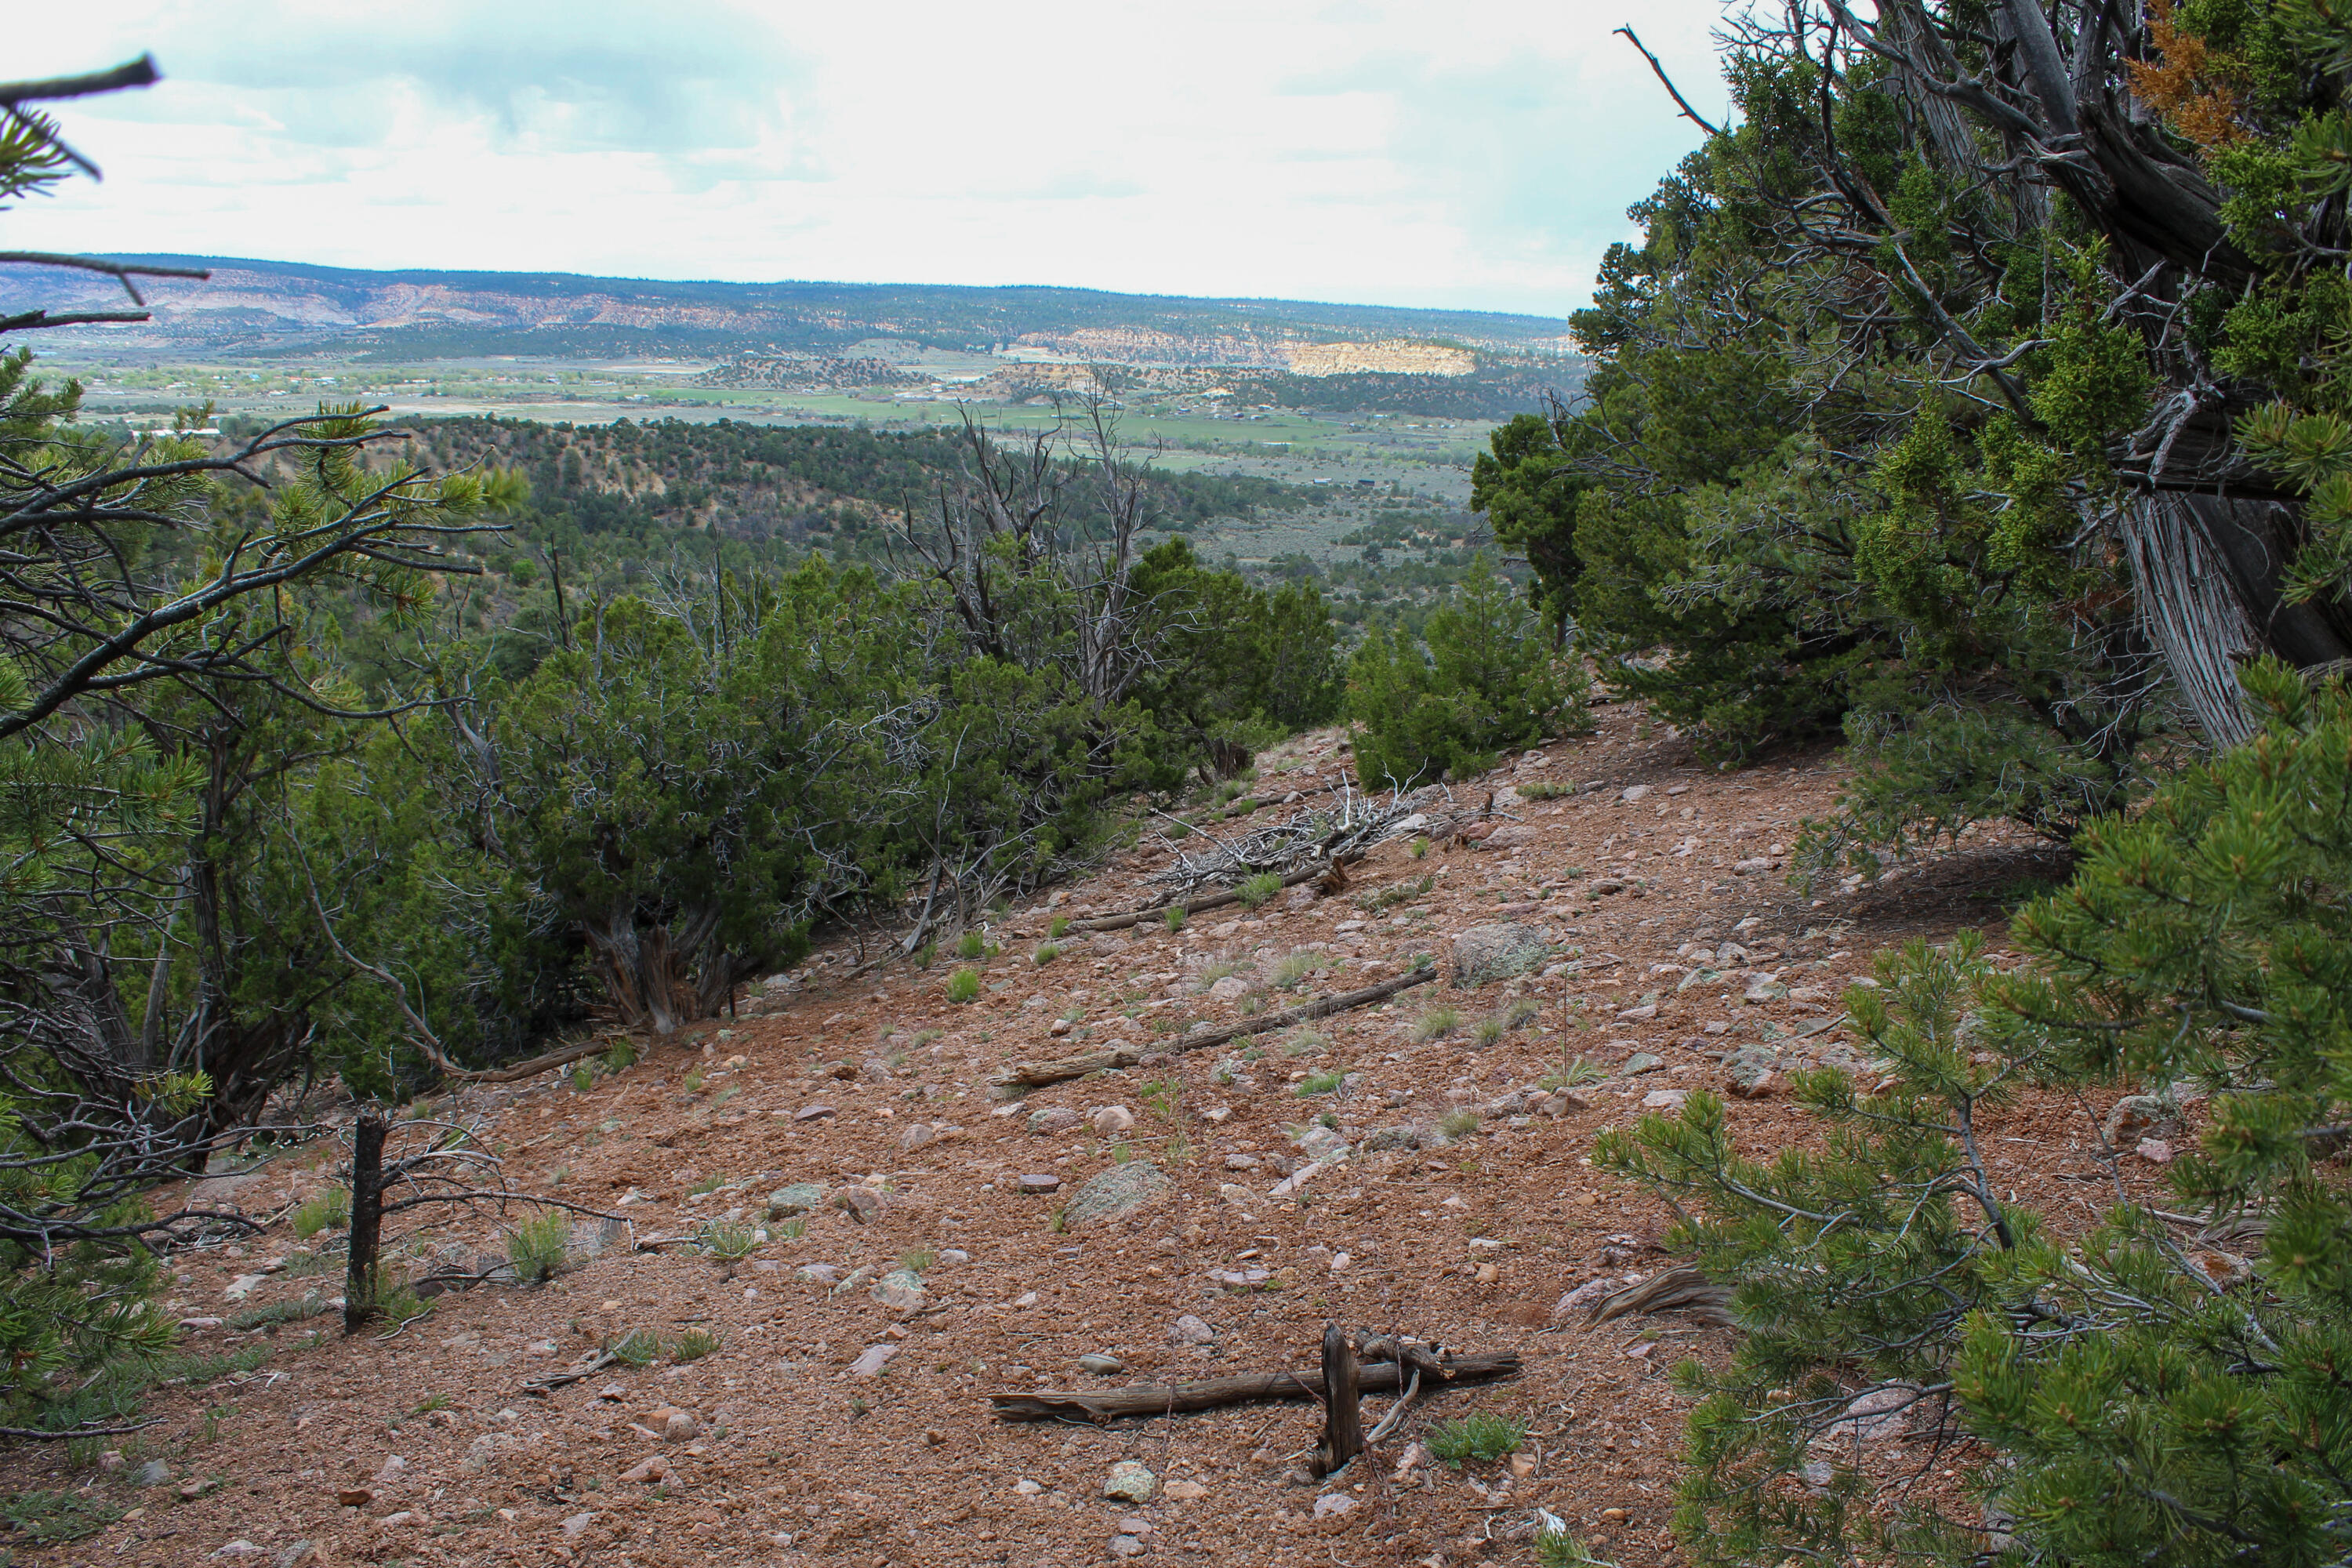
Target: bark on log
(1059, 1070)
(1343, 1416)
(1211, 1393)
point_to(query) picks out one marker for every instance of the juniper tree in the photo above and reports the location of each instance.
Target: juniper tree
(2172, 1385)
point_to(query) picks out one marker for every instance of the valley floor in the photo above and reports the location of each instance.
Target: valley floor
(844, 1413)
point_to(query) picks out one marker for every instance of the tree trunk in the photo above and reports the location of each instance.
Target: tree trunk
(362, 1274)
(2211, 573)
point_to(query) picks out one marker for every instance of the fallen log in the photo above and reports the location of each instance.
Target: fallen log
(1060, 1069)
(1196, 906)
(1676, 1289)
(1240, 1388)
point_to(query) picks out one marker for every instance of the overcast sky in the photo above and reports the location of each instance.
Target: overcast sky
(1427, 153)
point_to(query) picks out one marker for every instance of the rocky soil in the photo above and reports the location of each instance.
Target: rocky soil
(916, 1245)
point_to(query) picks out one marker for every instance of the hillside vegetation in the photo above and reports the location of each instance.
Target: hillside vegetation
(1974, 409)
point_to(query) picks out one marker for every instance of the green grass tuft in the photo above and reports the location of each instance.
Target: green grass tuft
(1458, 1124)
(1482, 1435)
(1253, 892)
(538, 1247)
(963, 986)
(327, 1210)
(1437, 1023)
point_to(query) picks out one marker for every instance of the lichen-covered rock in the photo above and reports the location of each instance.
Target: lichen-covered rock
(1121, 1189)
(800, 1197)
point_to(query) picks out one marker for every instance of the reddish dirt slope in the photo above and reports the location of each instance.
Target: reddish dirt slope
(425, 1449)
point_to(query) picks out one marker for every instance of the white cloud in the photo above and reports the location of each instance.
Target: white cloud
(1410, 153)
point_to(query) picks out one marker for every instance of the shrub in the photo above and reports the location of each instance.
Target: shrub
(963, 986)
(1253, 892)
(1458, 1124)
(971, 945)
(1544, 789)
(1306, 1043)
(330, 1208)
(622, 1056)
(638, 1347)
(1174, 918)
(693, 1343)
(1046, 955)
(1482, 1435)
(693, 1081)
(1057, 927)
(1487, 681)
(1320, 1083)
(1487, 1031)
(539, 1246)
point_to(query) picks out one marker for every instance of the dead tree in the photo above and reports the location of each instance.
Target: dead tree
(445, 1173)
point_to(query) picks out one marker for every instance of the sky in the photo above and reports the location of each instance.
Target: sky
(1470, 156)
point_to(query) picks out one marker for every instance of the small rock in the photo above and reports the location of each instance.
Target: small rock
(1117, 1191)
(354, 1497)
(1185, 1491)
(2134, 1116)
(1641, 1014)
(1101, 1365)
(872, 1359)
(1765, 988)
(239, 1290)
(1130, 1482)
(1028, 1489)
(1664, 1099)
(1232, 988)
(1320, 1144)
(1052, 1119)
(1586, 1297)
(238, 1548)
(1189, 1330)
(2155, 1151)
(577, 1525)
(1125, 1546)
(154, 1473)
(1241, 1161)
(1332, 1504)
(1239, 1196)
(902, 1290)
(812, 1112)
(1039, 1183)
(817, 1273)
(649, 1472)
(1608, 885)
(295, 1554)
(1112, 1120)
(1756, 866)
(1639, 1063)
(613, 1392)
(678, 1425)
(917, 1134)
(860, 1204)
